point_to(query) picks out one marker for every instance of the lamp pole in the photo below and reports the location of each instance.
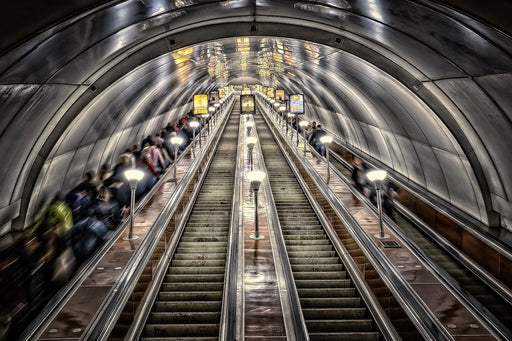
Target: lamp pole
(133, 176)
(194, 125)
(377, 177)
(251, 141)
(297, 127)
(303, 125)
(255, 177)
(176, 141)
(288, 118)
(249, 126)
(216, 109)
(326, 140)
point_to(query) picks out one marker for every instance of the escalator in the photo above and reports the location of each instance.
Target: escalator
(189, 303)
(487, 299)
(332, 307)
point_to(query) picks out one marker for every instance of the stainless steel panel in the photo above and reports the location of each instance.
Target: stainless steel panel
(493, 129)
(462, 187)
(21, 137)
(414, 166)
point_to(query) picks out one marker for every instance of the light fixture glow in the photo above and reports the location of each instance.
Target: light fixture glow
(251, 140)
(326, 139)
(176, 140)
(376, 175)
(133, 174)
(255, 176)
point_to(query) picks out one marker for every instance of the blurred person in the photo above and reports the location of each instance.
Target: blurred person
(105, 209)
(49, 237)
(315, 140)
(359, 170)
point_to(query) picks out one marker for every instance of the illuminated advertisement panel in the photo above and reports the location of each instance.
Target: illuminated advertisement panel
(264, 90)
(222, 94)
(297, 104)
(214, 97)
(246, 91)
(200, 104)
(270, 92)
(280, 95)
(247, 104)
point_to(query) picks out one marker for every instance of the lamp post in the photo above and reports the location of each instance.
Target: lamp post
(289, 115)
(205, 117)
(251, 141)
(255, 177)
(282, 109)
(216, 107)
(303, 125)
(194, 125)
(249, 126)
(377, 177)
(133, 176)
(176, 141)
(211, 112)
(297, 127)
(326, 140)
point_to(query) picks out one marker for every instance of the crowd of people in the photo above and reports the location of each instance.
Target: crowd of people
(74, 224)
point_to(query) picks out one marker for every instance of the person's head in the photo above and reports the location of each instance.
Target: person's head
(104, 193)
(357, 161)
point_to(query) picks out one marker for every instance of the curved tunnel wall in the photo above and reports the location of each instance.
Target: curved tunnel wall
(423, 105)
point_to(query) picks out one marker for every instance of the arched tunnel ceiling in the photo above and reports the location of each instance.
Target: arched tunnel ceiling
(418, 87)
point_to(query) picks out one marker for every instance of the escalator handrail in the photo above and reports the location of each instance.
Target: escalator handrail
(112, 306)
(230, 329)
(428, 325)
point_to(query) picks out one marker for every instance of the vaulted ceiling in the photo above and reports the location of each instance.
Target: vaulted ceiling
(421, 88)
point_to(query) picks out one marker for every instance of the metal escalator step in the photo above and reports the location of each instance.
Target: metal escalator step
(194, 277)
(190, 306)
(194, 286)
(319, 275)
(323, 283)
(209, 329)
(350, 336)
(318, 267)
(319, 254)
(335, 313)
(184, 317)
(196, 270)
(331, 302)
(326, 292)
(313, 260)
(199, 256)
(357, 325)
(312, 248)
(202, 250)
(199, 263)
(190, 296)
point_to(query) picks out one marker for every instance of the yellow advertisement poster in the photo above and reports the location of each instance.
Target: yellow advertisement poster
(280, 95)
(221, 93)
(200, 104)
(247, 104)
(270, 92)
